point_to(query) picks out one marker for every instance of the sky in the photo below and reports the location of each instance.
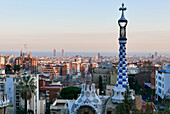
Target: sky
(84, 25)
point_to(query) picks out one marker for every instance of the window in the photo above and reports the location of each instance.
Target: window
(122, 93)
(2, 86)
(162, 79)
(117, 93)
(159, 78)
(162, 85)
(159, 90)
(159, 84)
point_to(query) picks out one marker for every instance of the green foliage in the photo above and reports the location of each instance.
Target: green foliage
(131, 82)
(70, 92)
(16, 68)
(30, 111)
(167, 107)
(8, 69)
(126, 106)
(100, 85)
(21, 110)
(122, 108)
(127, 98)
(27, 87)
(153, 91)
(141, 111)
(148, 109)
(138, 111)
(134, 84)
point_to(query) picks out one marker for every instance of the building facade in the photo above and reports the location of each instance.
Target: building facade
(162, 83)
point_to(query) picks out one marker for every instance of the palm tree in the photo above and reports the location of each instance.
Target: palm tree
(27, 88)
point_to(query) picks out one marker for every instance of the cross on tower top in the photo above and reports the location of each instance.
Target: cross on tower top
(122, 17)
(122, 8)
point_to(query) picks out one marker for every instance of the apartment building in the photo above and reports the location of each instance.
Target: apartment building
(162, 83)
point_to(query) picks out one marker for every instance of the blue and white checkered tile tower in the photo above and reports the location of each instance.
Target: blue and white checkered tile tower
(122, 78)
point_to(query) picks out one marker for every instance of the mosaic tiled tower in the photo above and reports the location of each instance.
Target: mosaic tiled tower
(122, 78)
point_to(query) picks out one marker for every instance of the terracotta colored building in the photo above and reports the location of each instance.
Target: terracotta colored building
(51, 70)
(153, 77)
(141, 105)
(49, 91)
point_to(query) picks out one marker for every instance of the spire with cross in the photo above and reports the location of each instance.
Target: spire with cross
(122, 9)
(122, 78)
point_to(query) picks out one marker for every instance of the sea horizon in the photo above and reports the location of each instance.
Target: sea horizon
(59, 54)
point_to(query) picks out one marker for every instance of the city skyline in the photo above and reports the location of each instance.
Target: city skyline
(84, 57)
(83, 26)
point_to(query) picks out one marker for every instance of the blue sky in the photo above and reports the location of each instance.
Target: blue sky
(83, 25)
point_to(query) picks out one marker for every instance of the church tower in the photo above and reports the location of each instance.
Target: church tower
(122, 78)
(30, 55)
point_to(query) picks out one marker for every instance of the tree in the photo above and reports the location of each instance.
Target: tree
(8, 69)
(165, 103)
(70, 92)
(126, 106)
(100, 85)
(127, 98)
(148, 109)
(131, 81)
(27, 88)
(16, 68)
(120, 109)
(20, 110)
(167, 107)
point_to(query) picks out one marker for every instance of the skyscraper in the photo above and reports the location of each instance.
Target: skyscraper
(122, 78)
(98, 57)
(21, 53)
(156, 54)
(62, 52)
(54, 52)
